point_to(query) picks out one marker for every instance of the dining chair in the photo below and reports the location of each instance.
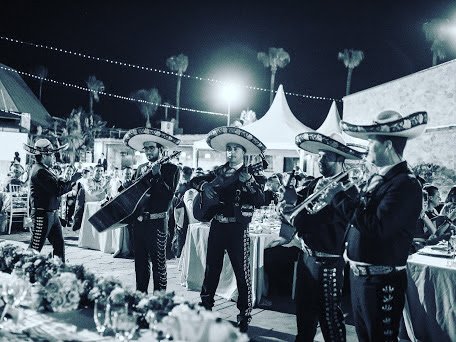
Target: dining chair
(19, 207)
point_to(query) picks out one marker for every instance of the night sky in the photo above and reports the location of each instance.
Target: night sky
(220, 41)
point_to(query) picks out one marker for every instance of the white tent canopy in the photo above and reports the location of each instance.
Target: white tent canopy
(332, 125)
(277, 129)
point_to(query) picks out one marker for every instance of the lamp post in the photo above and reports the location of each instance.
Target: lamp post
(229, 92)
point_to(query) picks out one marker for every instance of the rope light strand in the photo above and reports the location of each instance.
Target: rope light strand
(150, 69)
(121, 97)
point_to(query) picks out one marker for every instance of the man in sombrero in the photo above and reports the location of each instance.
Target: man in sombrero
(150, 226)
(45, 192)
(320, 265)
(238, 193)
(383, 222)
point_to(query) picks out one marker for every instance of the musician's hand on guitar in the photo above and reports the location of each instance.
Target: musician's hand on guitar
(209, 191)
(244, 176)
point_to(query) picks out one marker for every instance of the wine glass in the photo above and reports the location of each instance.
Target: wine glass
(13, 293)
(452, 242)
(101, 316)
(124, 322)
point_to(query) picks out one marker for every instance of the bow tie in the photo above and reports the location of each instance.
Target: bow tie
(229, 171)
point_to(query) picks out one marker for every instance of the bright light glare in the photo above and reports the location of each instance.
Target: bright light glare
(230, 91)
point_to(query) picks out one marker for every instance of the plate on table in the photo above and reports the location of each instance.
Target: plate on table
(435, 252)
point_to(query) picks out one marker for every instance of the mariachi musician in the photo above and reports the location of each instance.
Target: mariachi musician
(240, 192)
(150, 222)
(320, 266)
(383, 222)
(45, 192)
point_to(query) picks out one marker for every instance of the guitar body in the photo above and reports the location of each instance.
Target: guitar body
(115, 212)
(204, 208)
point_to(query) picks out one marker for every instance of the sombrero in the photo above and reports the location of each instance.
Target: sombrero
(220, 136)
(136, 137)
(43, 147)
(389, 123)
(314, 142)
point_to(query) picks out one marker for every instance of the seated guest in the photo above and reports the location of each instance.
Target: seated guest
(126, 180)
(16, 171)
(433, 201)
(97, 189)
(180, 224)
(271, 190)
(449, 207)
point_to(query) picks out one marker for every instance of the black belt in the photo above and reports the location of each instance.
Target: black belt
(153, 216)
(317, 254)
(46, 210)
(223, 219)
(366, 270)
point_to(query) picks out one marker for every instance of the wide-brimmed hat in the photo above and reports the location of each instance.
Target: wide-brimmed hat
(220, 136)
(136, 137)
(43, 147)
(314, 142)
(389, 123)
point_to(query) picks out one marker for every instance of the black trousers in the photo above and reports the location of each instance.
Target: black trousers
(319, 284)
(377, 303)
(180, 235)
(150, 246)
(234, 238)
(47, 225)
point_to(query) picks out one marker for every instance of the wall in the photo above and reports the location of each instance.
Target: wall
(432, 90)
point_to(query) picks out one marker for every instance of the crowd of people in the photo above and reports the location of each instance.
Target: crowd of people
(367, 227)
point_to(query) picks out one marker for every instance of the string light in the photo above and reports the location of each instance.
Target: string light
(140, 67)
(121, 97)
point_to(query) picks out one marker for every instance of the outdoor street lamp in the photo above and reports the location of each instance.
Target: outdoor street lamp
(229, 92)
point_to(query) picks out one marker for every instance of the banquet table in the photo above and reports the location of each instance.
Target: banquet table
(193, 262)
(430, 310)
(110, 241)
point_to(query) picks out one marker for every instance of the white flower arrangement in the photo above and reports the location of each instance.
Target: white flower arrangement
(63, 292)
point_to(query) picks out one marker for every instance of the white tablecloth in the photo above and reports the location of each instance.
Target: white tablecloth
(194, 262)
(430, 310)
(110, 241)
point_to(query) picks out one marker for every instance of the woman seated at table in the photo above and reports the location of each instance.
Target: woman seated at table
(16, 171)
(97, 189)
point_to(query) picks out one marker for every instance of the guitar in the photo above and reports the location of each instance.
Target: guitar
(205, 208)
(115, 212)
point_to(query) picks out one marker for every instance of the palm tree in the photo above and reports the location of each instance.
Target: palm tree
(275, 58)
(248, 116)
(72, 134)
(148, 102)
(435, 31)
(178, 64)
(42, 72)
(351, 58)
(95, 86)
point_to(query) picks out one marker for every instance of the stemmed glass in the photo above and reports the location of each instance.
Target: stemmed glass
(452, 242)
(124, 322)
(13, 293)
(101, 316)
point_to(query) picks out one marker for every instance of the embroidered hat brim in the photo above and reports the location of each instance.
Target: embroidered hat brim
(43, 151)
(409, 127)
(136, 137)
(314, 142)
(220, 136)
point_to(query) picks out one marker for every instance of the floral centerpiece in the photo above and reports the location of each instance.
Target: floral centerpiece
(60, 287)
(62, 292)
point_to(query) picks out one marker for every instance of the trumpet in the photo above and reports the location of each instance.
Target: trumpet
(316, 202)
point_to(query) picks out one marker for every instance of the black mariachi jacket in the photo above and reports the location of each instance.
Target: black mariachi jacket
(239, 198)
(323, 231)
(162, 188)
(383, 220)
(46, 188)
